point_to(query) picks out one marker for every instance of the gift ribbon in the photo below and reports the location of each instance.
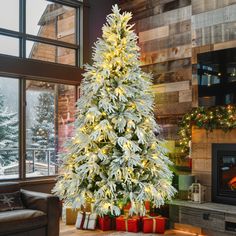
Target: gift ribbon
(88, 220)
(126, 224)
(154, 225)
(125, 218)
(82, 221)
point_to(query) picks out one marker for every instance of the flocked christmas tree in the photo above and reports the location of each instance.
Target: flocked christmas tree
(43, 129)
(8, 135)
(115, 156)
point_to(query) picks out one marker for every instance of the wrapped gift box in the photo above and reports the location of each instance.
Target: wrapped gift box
(69, 215)
(128, 224)
(86, 220)
(154, 224)
(106, 223)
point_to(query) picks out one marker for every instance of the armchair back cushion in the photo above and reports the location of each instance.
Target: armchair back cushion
(11, 201)
(9, 187)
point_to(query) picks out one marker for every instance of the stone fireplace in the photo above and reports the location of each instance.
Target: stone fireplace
(214, 163)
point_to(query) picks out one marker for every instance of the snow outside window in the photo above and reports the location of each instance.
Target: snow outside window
(9, 128)
(49, 123)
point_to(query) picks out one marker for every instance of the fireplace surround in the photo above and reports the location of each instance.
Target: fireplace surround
(224, 173)
(213, 154)
(204, 167)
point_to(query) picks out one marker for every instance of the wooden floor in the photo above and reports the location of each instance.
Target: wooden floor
(70, 230)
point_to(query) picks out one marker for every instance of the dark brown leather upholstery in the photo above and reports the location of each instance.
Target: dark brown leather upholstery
(9, 187)
(46, 203)
(21, 220)
(39, 218)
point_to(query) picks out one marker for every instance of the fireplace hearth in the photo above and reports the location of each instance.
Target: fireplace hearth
(224, 173)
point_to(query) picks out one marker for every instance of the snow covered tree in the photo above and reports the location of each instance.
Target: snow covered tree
(9, 134)
(43, 130)
(115, 156)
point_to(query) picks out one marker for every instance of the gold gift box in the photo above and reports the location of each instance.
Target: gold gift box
(71, 216)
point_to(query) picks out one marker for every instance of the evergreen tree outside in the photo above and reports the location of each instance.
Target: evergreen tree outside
(43, 130)
(8, 135)
(114, 156)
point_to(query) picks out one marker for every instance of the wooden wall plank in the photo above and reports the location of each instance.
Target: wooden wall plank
(214, 34)
(169, 132)
(134, 6)
(225, 45)
(180, 27)
(159, 32)
(168, 42)
(166, 18)
(176, 76)
(166, 55)
(163, 98)
(173, 108)
(214, 17)
(171, 87)
(168, 66)
(199, 6)
(185, 96)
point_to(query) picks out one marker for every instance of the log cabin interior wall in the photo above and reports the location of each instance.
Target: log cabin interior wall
(171, 34)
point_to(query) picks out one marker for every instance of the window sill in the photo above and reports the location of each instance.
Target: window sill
(34, 181)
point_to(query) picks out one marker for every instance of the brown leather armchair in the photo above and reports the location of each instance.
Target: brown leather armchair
(40, 217)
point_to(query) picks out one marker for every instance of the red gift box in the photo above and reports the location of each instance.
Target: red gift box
(106, 223)
(127, 224)
(154, 224)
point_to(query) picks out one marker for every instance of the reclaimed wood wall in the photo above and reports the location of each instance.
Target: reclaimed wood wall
(171, 34)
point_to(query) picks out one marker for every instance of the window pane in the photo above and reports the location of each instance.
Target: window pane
(9, 46)
(50, 20)
(9, 15)
(9, 129)
(50, 111)
(47, 52)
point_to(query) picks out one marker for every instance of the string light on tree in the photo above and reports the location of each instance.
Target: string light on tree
(109, 162)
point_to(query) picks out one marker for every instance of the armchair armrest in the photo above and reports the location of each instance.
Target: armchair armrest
(47, 203)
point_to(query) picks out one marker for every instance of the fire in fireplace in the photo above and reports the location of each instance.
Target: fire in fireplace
(224, 173)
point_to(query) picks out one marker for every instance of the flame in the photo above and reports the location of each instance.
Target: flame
(232, 183)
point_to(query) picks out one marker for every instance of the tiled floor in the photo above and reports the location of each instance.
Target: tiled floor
(68, 230)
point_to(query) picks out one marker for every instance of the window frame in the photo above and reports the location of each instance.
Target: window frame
(22, 126)
(23, 69)
(23, 36)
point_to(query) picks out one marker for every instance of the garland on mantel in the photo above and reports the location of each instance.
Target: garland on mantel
(219, 117)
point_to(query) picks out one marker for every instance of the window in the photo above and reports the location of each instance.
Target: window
(11, 7)
(37, 99)
(49, 113)
(51, 53)
(47, 30)
(51, 20)
(9, 128)
(9, 45)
